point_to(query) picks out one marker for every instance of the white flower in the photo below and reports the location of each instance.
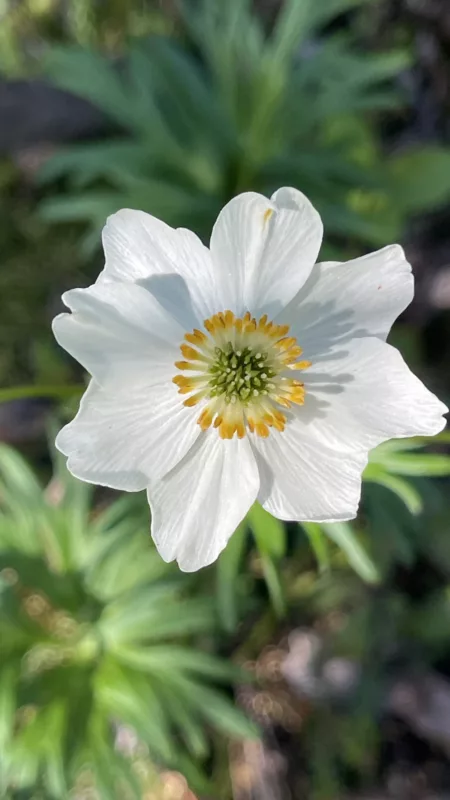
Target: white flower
(237, 373)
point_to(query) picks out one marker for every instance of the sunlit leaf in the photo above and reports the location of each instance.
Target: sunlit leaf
(404, 490)
(269, 532)
(318, 542)
(344, 535)
(227, 572)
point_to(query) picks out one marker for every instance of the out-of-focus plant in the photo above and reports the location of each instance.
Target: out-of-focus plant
(28, 25)
(397, 497)
(97, 639)
(229, 108)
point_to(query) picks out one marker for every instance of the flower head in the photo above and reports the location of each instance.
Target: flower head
(237, 373)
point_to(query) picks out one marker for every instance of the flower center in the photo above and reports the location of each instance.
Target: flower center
(242, 372)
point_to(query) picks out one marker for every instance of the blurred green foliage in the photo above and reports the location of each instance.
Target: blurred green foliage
(97, 633)
(103, 642)
(28, 25)
(225, 107)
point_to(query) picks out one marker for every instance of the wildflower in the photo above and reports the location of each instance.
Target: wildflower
(237, 373)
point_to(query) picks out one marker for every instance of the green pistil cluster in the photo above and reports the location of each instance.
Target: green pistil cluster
(240, 374)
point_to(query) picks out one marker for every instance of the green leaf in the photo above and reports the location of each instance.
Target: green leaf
(87, 162)
(318, 543)
(404, 490)
(90, 206)
(19, 484)
(222, 714)
(292, 24)
(8, 687)
(274, 583)
(269, 533)
(59, 392)
(193, 733)
(378, 454)
(424, 464)
(270, 537)
(227, 572)
(159, 658)
(214, 707)
(110, 768)
(91, 76)
(343, 534)
(153, 612)
(420, 178)
(129, 697)
(54, 734)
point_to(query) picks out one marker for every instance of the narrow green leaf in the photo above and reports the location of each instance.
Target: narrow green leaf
(54, 731)
(130, 697)
(223, 715)
(346, 538)
(8, 682)
(269, 533)
(404, 490)
(20, 487)
(161, 658)
(57, 392)
(423, 464)
(293, 23)
(227, 572)
(193, 733)
(318, 543)
(274, 585)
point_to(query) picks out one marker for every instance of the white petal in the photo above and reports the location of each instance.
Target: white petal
(116, 330)
(304, 479)
(197, 507)
(126, 438)
(141, 248)
(340, 302)
(263, 250)
(364, 393)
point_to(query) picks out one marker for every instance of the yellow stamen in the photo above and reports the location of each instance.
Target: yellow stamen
(180, 380)
(205, 419)
(262, 429)
(302, 364)
(196, 337)
(279, 330)
(193, 399)
(262, 324)
(240, 429)
(186, 365)
(294, 352)
(229, 318)
(226, 430)
(278, 424)
(286, 343)
(191, 354)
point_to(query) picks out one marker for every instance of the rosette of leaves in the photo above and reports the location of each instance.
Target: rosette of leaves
(229, 106)
(97, 639)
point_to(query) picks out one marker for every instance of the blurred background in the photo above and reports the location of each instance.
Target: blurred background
(311, 661)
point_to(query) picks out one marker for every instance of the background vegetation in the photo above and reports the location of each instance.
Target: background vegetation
(310, 661)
